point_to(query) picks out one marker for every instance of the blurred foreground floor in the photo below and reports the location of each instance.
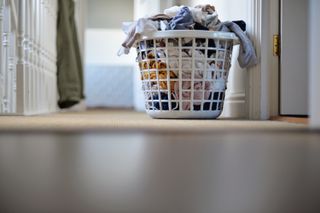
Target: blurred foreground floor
(128, 163)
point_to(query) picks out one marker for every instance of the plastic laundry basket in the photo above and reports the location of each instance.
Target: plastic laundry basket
(184, 73)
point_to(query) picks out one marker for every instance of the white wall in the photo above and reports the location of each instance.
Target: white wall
(109, 14)
(81, 17)
(144, 8)
(294, 81)
(227, 9)
(108, 77)
(102, 46)
(314, 45)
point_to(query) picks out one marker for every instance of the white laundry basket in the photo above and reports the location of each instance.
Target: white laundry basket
(184, 72)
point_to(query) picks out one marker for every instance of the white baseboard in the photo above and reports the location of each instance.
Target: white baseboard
(234, 106)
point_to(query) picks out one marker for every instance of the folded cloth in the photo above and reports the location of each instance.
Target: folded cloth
(172, 11)
(198, 26)
(182, 21)
(162, 20)
(241, 24)
(198, 92)
(202, 17)
(159, 17)
(207, 8)
(142, 27)
(247, 55)
(205, 15)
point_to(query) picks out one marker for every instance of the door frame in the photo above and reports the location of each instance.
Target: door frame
(314, 64)
(263, 79)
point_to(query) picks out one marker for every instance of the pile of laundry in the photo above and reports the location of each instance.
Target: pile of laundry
(160, 72)
(201, 17)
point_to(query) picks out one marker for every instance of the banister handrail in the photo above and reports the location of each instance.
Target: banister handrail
(13, 9)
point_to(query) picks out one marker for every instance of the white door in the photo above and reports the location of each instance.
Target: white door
(294, 58)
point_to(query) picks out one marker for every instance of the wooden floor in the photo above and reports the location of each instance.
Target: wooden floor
(115, 120)
(126, 162)
(291, 119)
(163, 172)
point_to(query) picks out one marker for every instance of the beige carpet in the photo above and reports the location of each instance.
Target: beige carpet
(128, 120)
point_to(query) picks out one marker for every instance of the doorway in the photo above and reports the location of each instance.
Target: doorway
(294, 58)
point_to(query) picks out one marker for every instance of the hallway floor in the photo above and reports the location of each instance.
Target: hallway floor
(121, 161)
(135, 172)
(119, 120)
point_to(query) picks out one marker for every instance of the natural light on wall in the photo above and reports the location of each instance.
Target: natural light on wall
(108, 78)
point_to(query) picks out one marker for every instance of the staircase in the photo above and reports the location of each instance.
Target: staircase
(28, 57)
